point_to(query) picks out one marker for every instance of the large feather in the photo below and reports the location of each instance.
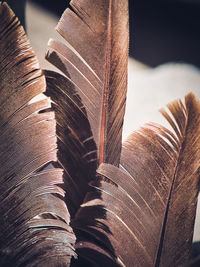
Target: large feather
(95, 60)
(34, 221)
(148, 206)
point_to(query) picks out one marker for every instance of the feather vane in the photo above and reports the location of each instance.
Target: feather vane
(95, 60)
(34, 222)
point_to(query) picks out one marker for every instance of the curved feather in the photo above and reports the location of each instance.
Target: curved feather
(148, 205)
(76, 154)
(180, 177)
(34, 222)
(94, 58)
(76, 147)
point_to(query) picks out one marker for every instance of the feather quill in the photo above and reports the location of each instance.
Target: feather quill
(94, 58)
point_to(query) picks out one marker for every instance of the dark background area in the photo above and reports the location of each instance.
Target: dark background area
(160, 30)
(18, 6)
(163, 31)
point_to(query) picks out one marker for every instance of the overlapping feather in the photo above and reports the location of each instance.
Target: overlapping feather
(34, 221)
(149, 203)
(94, 58)
(128, 212)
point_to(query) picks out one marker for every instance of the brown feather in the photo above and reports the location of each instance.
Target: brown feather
(179, 177)
(34, 221)
(150, 203)
(96, 63)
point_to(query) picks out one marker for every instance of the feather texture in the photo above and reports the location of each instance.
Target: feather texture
(76, 147)
(140, 213)
(150, 203)
(34, 221)
(95, 60)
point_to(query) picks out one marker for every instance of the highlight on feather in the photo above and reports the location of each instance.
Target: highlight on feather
(94, 58)
(34, 221)
(149, 203)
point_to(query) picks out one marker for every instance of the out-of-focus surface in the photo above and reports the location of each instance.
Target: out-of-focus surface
(149, 89)
(152, 88)
(40, 28)
(165, 30)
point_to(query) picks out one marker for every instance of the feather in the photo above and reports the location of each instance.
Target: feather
(94, 58)
(34, 222)
(76, 147)
(147, 205)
